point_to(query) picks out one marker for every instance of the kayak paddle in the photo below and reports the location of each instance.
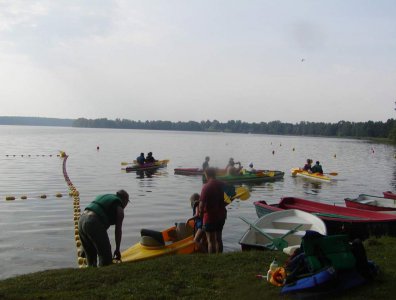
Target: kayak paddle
(241, 193)
(279, 243)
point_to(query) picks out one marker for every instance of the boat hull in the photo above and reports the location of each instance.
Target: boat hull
(389, 195)
(277, 224)
(147, 166)
(312, 176)
(265, 176)
(356, 223)
(172, 244)
(369, 202)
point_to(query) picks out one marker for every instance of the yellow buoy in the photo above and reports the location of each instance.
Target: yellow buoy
(75, 231)
(59, 195)
(23, 197)
(10, 198)
(78, 243)
(81, 260)
(77, 237)
(43, 196)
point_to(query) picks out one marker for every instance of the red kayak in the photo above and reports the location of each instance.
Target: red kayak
(195, 171)
(338, 219)
(389, 194)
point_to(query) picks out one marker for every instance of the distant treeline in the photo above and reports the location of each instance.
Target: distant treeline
(36, 121)
(340, 129)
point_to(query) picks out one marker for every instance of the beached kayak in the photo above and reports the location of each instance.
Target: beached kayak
(281, 229)
(313, 176)
(177, 239)
(370, 202)
(262, 176)
(148, 166)
(389, 194)
(338, 219)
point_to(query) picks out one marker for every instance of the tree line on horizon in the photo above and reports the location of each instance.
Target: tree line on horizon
(371, 129)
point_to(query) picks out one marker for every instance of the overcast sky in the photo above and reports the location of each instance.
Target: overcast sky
(199, 60)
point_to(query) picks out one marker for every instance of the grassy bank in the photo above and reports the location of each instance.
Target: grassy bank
(230, 275)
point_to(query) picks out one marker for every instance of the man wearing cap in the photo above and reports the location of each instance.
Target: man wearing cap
(98, 216)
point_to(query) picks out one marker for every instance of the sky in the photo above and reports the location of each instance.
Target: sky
(194, 60)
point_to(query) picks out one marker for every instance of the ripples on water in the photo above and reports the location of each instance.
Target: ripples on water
(38, 234)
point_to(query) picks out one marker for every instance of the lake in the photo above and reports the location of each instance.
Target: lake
(38, 234)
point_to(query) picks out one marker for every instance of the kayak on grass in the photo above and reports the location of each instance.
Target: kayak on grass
(178, 239)
(280, 229)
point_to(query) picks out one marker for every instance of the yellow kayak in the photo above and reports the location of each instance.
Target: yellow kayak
(177, 239)
(313, 176)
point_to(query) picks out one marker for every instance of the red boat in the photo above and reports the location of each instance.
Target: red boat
(369, 202)
(357, 223)
(188, 171)
(389, 194)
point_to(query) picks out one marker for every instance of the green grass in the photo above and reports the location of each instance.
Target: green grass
(226, 276)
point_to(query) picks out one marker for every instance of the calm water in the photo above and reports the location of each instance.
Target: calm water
(38, 234)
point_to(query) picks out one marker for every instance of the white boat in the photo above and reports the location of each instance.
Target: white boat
(281, 229)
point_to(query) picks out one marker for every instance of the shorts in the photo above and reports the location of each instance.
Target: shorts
(198, 223)
(212, 227)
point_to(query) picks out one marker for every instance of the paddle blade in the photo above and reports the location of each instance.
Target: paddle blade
(333, 173)
(227, 199)
(242, 193)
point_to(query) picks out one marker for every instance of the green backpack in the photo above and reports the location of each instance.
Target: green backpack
(324, 251)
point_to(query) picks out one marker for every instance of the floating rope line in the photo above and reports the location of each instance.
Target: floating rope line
(37, 155)
(24, 197)
(82, 262)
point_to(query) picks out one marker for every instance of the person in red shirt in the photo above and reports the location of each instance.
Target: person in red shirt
(212, 210)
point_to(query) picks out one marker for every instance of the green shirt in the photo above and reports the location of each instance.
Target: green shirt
(105, 206)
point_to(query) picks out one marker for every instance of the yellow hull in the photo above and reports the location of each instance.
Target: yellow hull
(141, 252)
(313, 176)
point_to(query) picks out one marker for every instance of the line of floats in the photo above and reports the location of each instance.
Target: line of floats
(82, 262)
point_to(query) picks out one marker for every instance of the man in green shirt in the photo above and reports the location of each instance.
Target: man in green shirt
(99, 215)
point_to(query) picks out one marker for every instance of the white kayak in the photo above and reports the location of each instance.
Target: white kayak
(281, 229)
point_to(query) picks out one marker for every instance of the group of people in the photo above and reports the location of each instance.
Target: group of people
(317, 168)
(141, 160)
(209, 213)
(230, 168)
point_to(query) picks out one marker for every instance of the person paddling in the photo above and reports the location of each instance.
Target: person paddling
(317, 168)
(140, 159)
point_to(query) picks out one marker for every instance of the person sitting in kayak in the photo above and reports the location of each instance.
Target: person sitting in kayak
(140, 159)
(150, 158)
(231, 169)
(205, 164)
(251, 170)
(317, 168)
(308, 166)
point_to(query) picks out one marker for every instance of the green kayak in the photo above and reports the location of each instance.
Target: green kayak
(262, 176)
